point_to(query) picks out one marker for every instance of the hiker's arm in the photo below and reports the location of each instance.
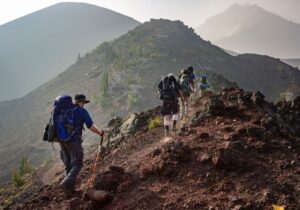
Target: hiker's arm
(96, 130)
(90, 124)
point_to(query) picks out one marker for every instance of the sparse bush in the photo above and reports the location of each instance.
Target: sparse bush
(132, 100)
(154, 123)
(104, 86)
(16, 179)
(25, 167)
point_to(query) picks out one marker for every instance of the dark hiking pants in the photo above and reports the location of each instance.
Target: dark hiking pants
(72, 157)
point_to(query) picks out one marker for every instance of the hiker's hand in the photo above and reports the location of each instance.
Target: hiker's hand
(101, 134)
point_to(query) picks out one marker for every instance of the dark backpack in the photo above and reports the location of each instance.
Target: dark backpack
(185, 83)
(61, 127)
(167, 92)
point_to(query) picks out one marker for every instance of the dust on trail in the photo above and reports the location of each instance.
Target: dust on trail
(166, 139)
(50, 174)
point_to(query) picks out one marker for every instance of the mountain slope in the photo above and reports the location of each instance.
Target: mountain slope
(131, 66)
(250, 29)
(122, 76)
(46, 42)
(223, 158)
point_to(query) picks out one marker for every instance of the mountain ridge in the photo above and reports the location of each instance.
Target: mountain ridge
(251, 29)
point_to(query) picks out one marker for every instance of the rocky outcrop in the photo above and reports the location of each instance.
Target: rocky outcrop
(290, 113)
(236, 157)
(119, 128)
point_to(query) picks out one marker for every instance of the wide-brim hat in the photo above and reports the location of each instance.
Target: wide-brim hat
(81, 98)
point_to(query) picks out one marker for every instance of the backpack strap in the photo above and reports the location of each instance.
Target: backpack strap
(75, 130)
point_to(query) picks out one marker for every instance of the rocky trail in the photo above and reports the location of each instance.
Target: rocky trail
(237, 151)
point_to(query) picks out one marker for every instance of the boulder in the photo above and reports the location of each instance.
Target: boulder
(121, 128)
(233, 157)
(258, 98)
(129, 124)
(110, 179)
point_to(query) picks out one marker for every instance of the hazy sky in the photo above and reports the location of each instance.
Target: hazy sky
(192, 12)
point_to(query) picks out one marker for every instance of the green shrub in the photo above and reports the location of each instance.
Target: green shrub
(104, 86)
(132, 100)
(154, 123)
(25, 167)
(16, 179)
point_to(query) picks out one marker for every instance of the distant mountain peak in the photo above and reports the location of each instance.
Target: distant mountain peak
(248, 8)
(243, 6)
(250, 28)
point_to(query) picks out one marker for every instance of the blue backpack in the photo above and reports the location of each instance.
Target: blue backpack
(203, 85)
(61, 125)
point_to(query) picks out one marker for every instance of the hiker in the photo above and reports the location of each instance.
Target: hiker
(186, 83)
(72, 151)
(169, 93)
(190, 71)
(203, 84)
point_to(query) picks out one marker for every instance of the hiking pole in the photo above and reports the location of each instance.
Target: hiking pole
(99, 150)
(93, 194)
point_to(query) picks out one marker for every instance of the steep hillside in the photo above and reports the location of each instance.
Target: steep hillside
(237, 151)
(118, 76)
(251, 29)
(44, 43)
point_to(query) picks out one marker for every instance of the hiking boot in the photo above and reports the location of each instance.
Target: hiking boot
(78, 182)
(174, 127)
(66, 189)
(167, 131)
